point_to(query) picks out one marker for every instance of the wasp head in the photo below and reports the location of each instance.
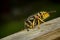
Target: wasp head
(45, 14)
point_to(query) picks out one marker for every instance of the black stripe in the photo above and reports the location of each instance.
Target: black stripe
(41, 15)
(27, 22)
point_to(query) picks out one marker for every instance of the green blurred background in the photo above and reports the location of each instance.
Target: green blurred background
(14, 12)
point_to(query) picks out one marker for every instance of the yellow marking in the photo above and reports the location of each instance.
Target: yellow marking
(45, 15)
(39, 15)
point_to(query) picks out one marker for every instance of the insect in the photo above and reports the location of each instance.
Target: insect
(36, 19)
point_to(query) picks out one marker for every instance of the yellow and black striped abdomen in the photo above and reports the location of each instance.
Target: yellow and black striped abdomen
(29, 21)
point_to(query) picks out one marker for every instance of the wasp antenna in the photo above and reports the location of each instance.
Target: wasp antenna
(52, 11)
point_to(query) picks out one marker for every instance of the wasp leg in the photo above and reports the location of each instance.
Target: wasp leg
(33, 23)
(38, 24)
(30, 22)
(26, 26)
(41, 20)
(30, 27)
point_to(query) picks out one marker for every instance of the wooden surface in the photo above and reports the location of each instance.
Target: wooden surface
(42, 34)
(53, 35)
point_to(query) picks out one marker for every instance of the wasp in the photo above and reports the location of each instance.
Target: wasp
(36, 19)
